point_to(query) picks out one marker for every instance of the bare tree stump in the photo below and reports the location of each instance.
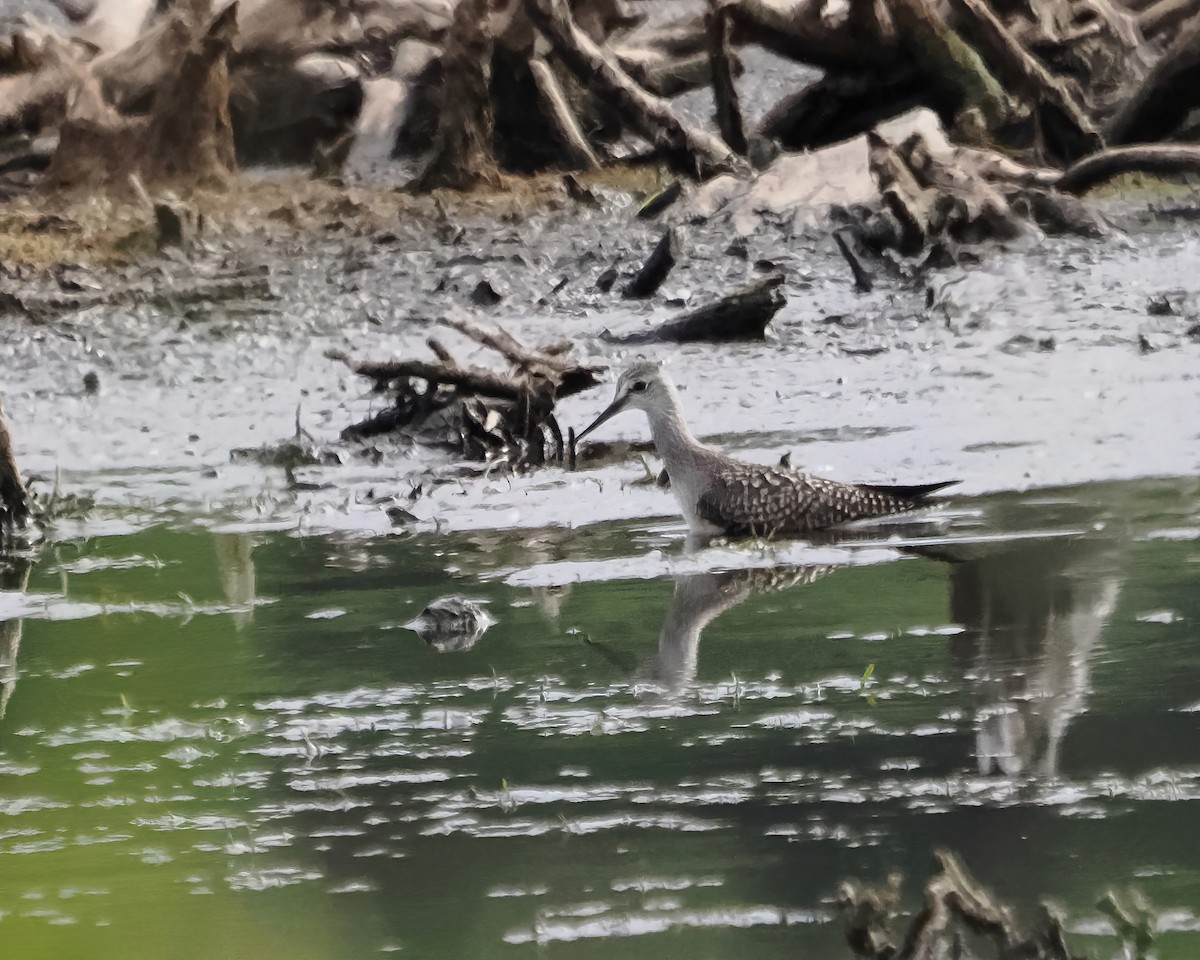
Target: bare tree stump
(462, 150)
(186, 141)
(190, 138)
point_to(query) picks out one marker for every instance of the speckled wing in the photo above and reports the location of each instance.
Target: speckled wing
(763, 501)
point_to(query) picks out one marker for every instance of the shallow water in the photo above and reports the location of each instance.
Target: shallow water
(225, 744)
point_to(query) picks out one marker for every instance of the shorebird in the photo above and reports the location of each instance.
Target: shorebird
(719, 494)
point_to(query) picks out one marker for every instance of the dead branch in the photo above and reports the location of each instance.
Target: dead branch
(652, 117)
(1157, 158)
(485, 413)
(725, 95)
(1157, 18)
(472, 379)
(656, 268)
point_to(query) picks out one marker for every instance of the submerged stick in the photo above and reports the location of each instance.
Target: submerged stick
(863, 281)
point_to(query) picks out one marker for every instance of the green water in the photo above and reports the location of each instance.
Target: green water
(225, 744)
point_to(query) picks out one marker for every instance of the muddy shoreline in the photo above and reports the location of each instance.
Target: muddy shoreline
(1053, 361)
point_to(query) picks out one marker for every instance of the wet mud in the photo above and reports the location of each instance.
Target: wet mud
(1050, 362)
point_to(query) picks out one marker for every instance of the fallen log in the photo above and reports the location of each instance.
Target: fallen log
(656, 268)
(689, 147)
(840, 106)
(462, 155)
(741, 315)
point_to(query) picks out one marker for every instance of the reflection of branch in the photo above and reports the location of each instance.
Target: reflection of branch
(951, 895)
(13, 576)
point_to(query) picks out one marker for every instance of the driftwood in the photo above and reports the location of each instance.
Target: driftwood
(693, 149)
(741, 315)
(952, 899)
(656, 268)
(14, 500)
(483, 414)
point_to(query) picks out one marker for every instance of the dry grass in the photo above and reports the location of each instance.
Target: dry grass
(112, 230)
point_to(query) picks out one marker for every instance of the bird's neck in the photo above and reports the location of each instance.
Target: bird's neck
(672, 438)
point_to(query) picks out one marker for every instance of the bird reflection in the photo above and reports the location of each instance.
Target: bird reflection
(1033, 612)
(702, 597)
(14, 576)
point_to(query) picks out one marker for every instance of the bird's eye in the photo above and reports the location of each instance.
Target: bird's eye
(639, 385)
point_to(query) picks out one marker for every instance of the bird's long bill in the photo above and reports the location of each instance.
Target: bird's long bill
(609, 412)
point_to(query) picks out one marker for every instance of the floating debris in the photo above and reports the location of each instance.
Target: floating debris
(452, 624)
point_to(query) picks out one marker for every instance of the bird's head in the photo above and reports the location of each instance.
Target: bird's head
(644, 385)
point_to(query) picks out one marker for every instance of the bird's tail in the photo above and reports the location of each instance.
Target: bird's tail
(914, 493)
